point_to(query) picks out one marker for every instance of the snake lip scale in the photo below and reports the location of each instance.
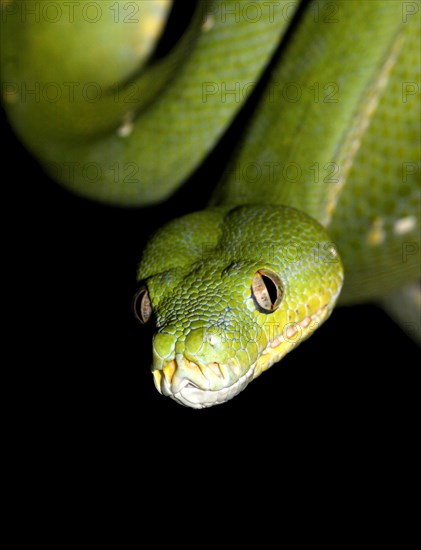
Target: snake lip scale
(191, 395)
(188, 393)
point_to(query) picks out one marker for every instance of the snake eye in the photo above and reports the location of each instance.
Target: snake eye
(142, 306)
(267, 290)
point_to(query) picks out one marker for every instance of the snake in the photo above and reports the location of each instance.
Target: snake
(318, 204)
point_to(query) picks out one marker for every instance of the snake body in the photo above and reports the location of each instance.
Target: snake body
(320, 201)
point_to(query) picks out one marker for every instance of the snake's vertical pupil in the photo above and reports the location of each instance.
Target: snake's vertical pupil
(267, 290)
(142, 306)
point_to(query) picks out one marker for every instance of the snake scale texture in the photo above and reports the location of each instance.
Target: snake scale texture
(319, 203)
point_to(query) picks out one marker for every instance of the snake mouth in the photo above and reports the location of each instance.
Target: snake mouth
(187, 392)
(200, 386)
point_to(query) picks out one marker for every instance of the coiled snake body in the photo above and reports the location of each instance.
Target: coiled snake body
(320, 200)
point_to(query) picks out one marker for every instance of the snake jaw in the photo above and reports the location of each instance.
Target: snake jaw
(201, 386)
(198, 386)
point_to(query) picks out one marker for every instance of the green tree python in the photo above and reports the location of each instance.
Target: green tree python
(319, 203)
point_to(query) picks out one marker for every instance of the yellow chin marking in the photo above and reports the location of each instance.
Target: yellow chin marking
(167, 372)
(157, 376)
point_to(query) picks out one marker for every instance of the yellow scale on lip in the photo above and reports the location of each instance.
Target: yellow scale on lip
(294, 334)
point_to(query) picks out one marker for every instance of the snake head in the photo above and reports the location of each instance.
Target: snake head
(230, 293)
